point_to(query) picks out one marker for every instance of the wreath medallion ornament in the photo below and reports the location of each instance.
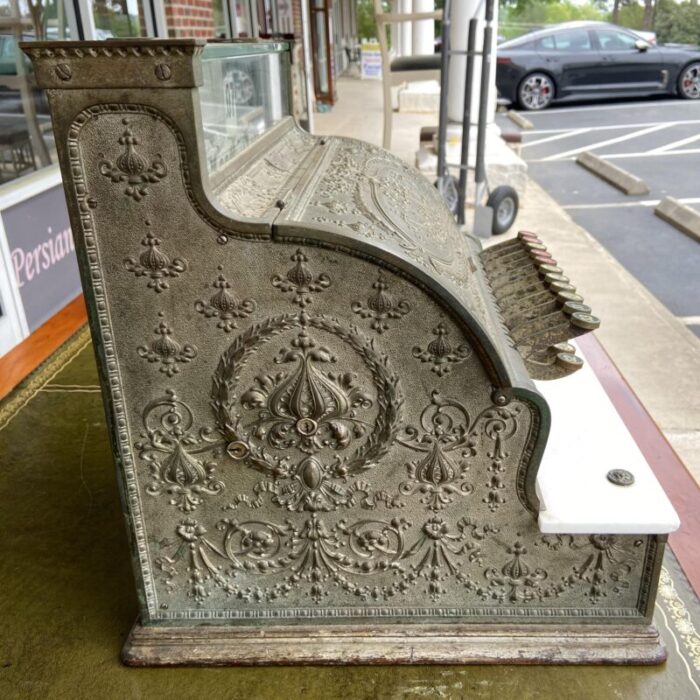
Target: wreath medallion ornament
(310, 427)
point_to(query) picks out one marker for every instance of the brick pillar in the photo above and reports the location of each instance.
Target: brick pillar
(189, 19)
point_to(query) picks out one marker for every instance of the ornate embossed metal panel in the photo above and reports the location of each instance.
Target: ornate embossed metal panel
(318, 412)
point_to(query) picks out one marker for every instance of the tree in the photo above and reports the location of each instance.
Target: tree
(677, 22)
(648, 15)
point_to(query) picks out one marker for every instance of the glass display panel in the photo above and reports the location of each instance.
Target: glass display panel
(245, 93)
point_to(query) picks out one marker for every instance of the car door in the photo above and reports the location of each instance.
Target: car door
(624, 66)
(570, 56)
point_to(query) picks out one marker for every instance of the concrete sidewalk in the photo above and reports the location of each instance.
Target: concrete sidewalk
(657, 355)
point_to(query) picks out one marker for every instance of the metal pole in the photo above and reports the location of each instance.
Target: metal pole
(480, 169)
(444, 70)
(466, 121)
(308, 66)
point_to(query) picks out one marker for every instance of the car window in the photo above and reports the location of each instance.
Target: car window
(547, 43)
(571, 40)
(616, 41)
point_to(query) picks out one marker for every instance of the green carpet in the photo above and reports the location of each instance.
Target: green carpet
(68, 600)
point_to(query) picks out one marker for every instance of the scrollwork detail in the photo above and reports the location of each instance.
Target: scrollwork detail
(170, 447)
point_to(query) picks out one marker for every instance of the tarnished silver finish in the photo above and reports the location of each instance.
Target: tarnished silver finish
(319, 411)
(620, 477)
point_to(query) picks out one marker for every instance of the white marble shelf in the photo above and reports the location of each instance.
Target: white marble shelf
(588, 439)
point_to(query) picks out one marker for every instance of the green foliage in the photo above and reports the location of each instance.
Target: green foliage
(520, 16)
(631, 15)
(677, 22)
(366, 26)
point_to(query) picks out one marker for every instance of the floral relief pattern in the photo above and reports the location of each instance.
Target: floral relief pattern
(166, 351)
(155, 264)
(380, 306)
(301, 281)
(171, 448)
(132, 168)
(605, 568)
(224, 306)
(309, 431)
(315, 412)
(440, 353)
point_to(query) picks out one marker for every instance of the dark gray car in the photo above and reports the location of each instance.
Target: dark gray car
(584, 60)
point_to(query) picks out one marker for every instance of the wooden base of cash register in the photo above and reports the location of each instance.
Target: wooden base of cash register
(392, 644)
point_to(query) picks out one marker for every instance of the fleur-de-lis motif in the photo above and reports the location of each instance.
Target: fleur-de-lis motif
(380, 306)
(447, 442)
(440, 352)
(167, 351)
(300, 280)
(169, 445)
(131, 167)
(516, 581)
(155, 264)
(224, 305)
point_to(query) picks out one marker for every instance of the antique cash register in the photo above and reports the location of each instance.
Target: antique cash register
(343, 432)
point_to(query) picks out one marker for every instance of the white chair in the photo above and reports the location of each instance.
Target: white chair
(403, 69)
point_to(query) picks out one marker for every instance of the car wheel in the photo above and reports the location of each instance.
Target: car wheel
(689, 82)
(536, 91)
(504, 202)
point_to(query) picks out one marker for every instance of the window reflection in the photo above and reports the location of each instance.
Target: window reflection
(118, 18)
(26, 141)
(241, 98)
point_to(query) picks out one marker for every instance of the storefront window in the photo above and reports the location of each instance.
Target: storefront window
(118, 18)
(242, 18)
(26, 142)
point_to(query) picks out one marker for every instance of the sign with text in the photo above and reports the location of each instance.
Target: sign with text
(371, 62)
(43, 257)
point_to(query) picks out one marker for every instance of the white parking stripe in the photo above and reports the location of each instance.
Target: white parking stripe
(606, 127)
(556, 137)
(604, 108)
(675, 144)
(640, 203)
(649, 154)
(689, 320)
(608, 142)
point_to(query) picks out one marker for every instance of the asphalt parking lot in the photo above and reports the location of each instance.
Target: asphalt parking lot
(657, 140)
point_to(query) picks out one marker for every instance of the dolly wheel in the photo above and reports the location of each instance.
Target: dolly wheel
(448, 189)
(504, 203)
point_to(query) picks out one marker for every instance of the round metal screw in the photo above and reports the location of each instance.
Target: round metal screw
(163, 71)
(620, 477)
(63, 71)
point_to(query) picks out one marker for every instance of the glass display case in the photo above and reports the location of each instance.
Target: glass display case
(245, 93)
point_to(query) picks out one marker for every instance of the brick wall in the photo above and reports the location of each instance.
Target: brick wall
(296, 18)
(189, 18)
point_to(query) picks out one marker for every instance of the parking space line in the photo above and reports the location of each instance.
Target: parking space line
(608, 142)
(604, 108)
(638, 203)
(606, 127)
(674, 144)
(689, 320)
(556, 137)
(648, 154)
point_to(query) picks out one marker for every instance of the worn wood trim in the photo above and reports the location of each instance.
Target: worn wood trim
(392, 644)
